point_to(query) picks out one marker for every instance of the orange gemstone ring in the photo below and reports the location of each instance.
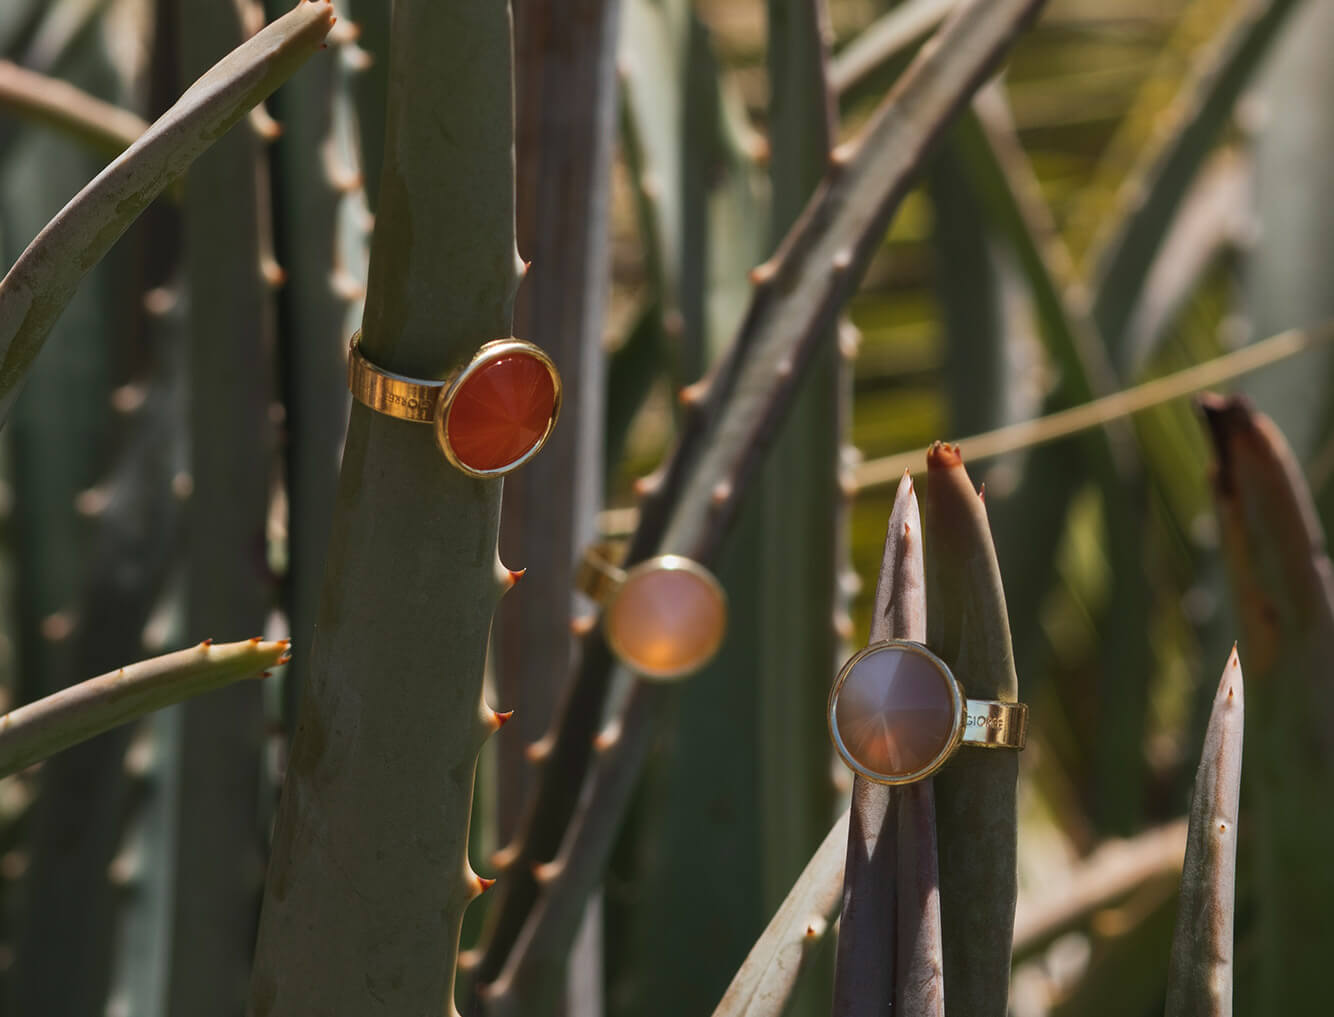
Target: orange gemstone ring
(897, 713)
(490, 416)
(664, 618)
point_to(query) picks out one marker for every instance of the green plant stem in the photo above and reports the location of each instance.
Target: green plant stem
(969, 629)
(1283, 583)
(369, 876)
(1199, 981)
(865, 979)
(75, 714)
(318, 188)
(101, 125)
(796, 298)
(40, 284)
(766, 980)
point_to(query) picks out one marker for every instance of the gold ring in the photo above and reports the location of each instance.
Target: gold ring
(663, 618)
(897, 713)
(490, 416)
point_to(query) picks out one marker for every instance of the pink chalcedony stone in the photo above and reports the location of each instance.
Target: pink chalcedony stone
(666, 622)
(501, 411)
(894, 712)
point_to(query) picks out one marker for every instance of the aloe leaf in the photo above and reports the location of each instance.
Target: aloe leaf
(565, 128)
(1154, 192)
(369, 875)
(1283, 282)
(1283, 584)
(864, 976)
(321, 246)
(1199, 979)
(969, 629)
(766, 980)
(229, 276)
(54, 723)
(565, 122)
(41, 282)
(795, 300)
(93, 526)
(791, 591)
(101, 125)
(1003, 176)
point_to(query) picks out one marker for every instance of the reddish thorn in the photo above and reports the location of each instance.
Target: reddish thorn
(207, 642)
(284, 642)
(907, 531)
(942, 456)
(515, 575)
(982, 491)
(501, 719)
(483, 884)
(266, 674)
(254, 640)
(583, 625)
(286, 658)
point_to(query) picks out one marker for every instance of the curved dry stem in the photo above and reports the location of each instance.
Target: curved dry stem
(764, 982)
(40, 284)
(45, 100)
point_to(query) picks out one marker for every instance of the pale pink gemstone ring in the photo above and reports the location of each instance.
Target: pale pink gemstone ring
(664, 618)
(897, 713)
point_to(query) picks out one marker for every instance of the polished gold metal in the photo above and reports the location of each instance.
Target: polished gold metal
(992, 725)
(977, 722)
(603, 580)
(429, 402)
(394, 395)
(599, 576)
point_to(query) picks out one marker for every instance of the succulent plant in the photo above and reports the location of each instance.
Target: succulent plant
(235, 487)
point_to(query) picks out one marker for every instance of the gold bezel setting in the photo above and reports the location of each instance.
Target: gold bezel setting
(488, 354)
(430, 402)
(958, 704)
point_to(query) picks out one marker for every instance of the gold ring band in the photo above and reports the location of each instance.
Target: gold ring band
(993, 725)
(394, 395)
(508, 419)
(598, 576)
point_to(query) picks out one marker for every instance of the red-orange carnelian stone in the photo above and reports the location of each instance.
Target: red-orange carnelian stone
(501, 411)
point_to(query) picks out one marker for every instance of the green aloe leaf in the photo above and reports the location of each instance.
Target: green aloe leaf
(46, 726)
(1199, 982)
(969, 629)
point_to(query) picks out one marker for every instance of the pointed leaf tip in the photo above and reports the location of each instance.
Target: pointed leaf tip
(942, 456)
